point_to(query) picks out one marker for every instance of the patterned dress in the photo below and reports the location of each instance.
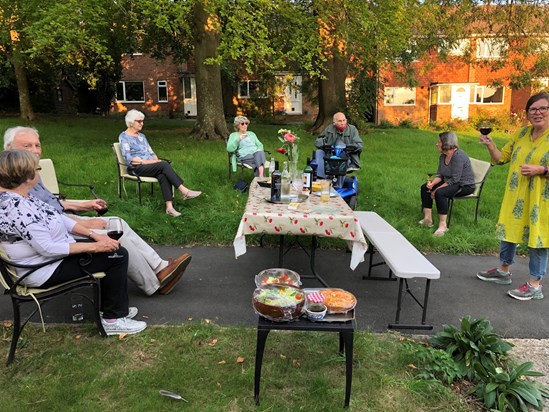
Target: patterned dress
(524, 213)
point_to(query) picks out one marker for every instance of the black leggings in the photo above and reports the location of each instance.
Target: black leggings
(442, 195)
(114, 286)
(165, 174)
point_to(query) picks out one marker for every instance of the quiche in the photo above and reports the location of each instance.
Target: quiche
(338, 300)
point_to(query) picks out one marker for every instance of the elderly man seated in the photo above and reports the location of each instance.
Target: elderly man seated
(146, 268)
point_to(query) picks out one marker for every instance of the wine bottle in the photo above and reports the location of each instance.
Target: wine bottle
(285, 184)
(272, 166)
(314, 165)
(307, 175)
(276, 184)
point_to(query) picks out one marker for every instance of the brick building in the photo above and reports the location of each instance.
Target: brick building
(454, 88)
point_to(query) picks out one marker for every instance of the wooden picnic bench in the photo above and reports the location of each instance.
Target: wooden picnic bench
(404, 262)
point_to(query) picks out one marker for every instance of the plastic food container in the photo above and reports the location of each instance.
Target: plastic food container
(277, 276)
(279, 303)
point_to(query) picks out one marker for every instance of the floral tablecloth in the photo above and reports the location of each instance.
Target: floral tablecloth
(333, 219)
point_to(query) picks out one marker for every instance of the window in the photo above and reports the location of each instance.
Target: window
(162, 86)
(249, 89)
(400, 96)
(490, 48)
(488, 95)
(130, 92)
(459, 48)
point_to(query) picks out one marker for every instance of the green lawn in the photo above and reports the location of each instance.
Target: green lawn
(395, 163)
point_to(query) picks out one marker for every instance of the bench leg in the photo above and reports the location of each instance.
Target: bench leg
(422, 326)
(371, 252)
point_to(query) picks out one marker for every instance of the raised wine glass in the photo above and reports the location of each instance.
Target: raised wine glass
(114, 231)
(485, 129)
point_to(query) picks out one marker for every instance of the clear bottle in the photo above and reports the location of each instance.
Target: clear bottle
(272, 166)
(285, 186)
(276, 183)
(307, 175)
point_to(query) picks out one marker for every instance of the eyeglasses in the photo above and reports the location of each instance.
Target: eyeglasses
(541, 110)
(140, 121)
(244, 123)
(38, 168)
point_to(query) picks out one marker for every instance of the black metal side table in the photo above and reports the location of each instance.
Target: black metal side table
(346, 334)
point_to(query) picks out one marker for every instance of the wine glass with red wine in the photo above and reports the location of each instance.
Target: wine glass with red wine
(114, 231)
(485, 129)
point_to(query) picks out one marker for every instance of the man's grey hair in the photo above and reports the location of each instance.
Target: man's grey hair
(448, 140)
(238, 120)
(132, 116)
(9, 135)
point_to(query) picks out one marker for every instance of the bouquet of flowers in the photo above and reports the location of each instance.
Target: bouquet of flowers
(289, 144)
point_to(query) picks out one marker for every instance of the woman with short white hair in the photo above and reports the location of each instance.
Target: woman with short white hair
(247, 146)
(142, 161)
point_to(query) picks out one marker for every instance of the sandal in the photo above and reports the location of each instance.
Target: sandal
(425, 222)
(440, 232)
(191, 194)
(173, 213)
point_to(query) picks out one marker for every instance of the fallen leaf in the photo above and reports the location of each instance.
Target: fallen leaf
(240, 359)
(121, 336)
(7, 323)
(213, 342)
(207, 321)
(221, 362)
(77, 337)
(411, 366)
(283, 356)
(145, 317)
(218, 385)
(189, 318)
(296, 362)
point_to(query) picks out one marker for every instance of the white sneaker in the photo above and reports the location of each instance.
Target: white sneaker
(132, 312)
(123, 325)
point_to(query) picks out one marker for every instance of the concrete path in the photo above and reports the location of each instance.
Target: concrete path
(218, 287)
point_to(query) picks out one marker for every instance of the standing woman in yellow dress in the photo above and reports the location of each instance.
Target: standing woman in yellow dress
(524, 213)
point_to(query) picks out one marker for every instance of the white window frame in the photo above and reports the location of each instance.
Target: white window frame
(479, 90)
(245, 94)
(490, 48)
(124, 97)
(162, 84)
(390, 92)
(459, 48)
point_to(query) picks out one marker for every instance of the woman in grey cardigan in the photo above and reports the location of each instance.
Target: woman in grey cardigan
(454, 178)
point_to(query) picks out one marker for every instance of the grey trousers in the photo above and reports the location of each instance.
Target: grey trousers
(255, 160)
(144, 262)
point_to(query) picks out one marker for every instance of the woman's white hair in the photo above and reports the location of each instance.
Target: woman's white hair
(132, 116)
(238, 120)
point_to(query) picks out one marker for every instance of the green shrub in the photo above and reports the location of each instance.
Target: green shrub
(474, 342)
(431, 363)
(385, 124)
(510, 391)
(407, 124)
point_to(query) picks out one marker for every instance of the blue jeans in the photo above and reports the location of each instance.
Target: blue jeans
(537, 263)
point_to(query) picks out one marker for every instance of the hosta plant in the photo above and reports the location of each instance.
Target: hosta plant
(510, 390)
(474, 342)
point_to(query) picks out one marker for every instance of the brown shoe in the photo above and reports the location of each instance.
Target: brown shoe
(170, 275)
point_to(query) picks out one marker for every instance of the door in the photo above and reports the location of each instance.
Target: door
(189, 96)
(460, 102)
(293, 96)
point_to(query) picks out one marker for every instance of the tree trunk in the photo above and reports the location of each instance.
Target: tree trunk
(25, 106)
(331, 92)
(210, 118)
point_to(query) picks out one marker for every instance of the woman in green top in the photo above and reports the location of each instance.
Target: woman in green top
(246, 146)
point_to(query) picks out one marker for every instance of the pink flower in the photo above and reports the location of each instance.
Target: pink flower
(281, 150)
(290, 138)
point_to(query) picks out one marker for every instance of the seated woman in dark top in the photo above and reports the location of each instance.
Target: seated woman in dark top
(32, 232)
(454, 177)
